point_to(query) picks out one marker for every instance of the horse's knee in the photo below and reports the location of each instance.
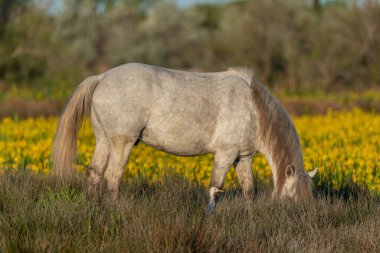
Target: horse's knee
(216, 182)
(220, 169)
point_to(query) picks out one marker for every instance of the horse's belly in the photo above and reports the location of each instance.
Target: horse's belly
(182, 145)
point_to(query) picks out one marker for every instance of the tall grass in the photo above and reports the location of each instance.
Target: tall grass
(41, 214)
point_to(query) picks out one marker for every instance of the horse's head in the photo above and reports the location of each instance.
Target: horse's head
(297, 184)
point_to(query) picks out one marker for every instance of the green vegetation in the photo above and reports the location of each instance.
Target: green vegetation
(40, 214)
(303, 47)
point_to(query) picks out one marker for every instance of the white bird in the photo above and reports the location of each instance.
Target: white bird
(212, 193)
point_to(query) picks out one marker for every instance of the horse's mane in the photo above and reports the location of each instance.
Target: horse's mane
(244, 72)
(276, 131)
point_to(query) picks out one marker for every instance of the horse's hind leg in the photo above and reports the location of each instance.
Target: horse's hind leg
(121, 147)
(98, 163)
(243, 168)
(101, 153)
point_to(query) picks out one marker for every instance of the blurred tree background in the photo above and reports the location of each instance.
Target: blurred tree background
(299, 46)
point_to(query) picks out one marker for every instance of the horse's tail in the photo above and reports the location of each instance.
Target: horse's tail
(65, 141)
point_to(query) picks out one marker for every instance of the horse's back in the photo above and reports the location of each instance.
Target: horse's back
(140, 85)
(165, 76)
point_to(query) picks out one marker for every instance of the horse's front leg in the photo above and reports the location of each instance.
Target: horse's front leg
(222, 164)
(243, 167)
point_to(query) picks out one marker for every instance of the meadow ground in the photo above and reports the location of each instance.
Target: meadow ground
(38, 213)
(164, 210)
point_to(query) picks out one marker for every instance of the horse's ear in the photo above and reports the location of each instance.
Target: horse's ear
(313, 172)
(289, 171)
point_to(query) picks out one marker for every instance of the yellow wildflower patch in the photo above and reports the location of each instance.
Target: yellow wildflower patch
(344, 145)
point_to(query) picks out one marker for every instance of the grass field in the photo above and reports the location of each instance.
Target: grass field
(163, 200)
(40, 214)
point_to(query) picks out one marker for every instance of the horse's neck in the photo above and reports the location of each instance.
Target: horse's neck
(278, 137)
(280, 145)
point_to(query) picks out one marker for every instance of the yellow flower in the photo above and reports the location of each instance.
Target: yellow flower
(342, 145)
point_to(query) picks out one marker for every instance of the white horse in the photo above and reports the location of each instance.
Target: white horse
(229, 114)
